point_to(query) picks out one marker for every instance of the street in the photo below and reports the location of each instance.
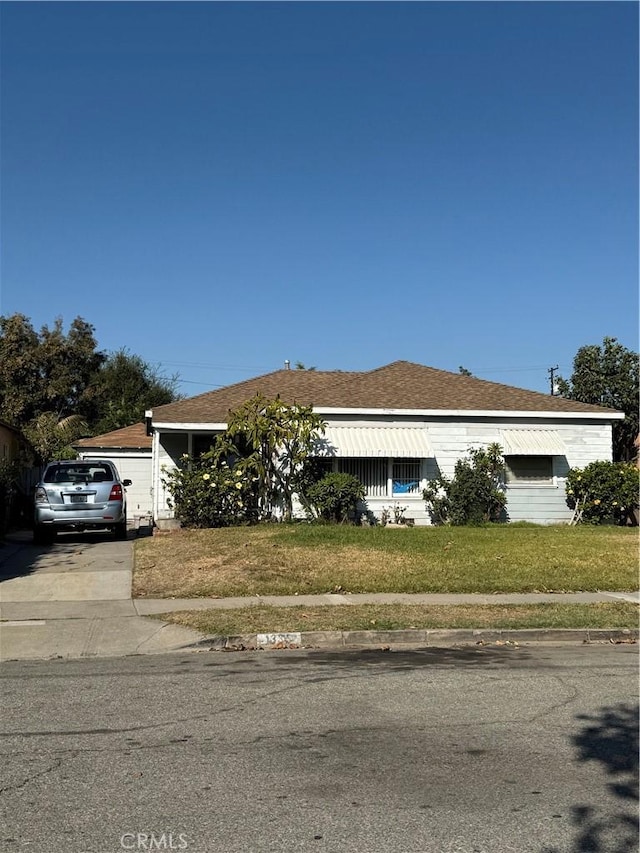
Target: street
(482, 749)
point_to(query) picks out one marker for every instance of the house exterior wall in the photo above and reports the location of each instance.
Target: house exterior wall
(134, 465)
(9, 444)
(586, 440)
(168, 447)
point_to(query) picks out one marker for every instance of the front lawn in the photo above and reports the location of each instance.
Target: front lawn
(283, 559)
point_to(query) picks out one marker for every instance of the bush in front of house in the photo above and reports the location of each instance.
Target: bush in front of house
(603, 492)
(475, 495)
(335, 497)
(204, 493)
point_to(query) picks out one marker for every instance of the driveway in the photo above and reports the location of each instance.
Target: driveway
(77, 567)
(72, 599)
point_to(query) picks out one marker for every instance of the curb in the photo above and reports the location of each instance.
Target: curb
(414, 638)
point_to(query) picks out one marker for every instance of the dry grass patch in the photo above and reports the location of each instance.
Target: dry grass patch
(288, 559)
(387, 617)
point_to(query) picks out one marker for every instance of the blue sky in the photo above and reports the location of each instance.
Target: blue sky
(219, 187)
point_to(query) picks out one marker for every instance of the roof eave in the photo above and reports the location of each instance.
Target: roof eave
(457, 413)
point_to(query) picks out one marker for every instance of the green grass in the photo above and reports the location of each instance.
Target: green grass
(299, 558)
(388, 617)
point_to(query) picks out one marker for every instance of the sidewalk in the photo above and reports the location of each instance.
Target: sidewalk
(68, 611)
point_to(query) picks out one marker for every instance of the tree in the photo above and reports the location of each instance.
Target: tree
(271, 440)
(604, 493)
(49, 371)
(475, 494)
(607, 375)
(20, 381)
(124, 387)
(51, 437)
(57, 386)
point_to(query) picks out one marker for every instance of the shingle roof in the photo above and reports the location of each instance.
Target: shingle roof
(399, 385)
(133, 437)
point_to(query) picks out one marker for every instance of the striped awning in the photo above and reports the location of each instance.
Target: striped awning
(395, 442)
(532, 442)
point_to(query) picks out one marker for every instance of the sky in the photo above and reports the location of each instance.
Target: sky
(219, 187)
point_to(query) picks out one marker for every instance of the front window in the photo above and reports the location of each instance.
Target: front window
(536, 470)
(384, 478)
(406, 477)
(372, 473)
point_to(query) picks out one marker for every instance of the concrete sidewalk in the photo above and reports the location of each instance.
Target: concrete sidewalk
(77, 603)
(36, 630)
(148, 606)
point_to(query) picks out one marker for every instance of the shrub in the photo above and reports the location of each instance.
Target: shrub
(335, 496)
(475, 494)
(603, 492)
(205, 494)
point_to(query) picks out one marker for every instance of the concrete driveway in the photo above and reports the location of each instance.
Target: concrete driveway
(76, 567)
(72, 599)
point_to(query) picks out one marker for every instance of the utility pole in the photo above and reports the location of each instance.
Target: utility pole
(551, 371)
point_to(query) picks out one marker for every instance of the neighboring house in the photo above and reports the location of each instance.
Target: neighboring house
(11, 443)
(403, 424)
(130, 451)
(16, 478)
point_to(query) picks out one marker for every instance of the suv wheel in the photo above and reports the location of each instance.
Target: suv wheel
(120, 530)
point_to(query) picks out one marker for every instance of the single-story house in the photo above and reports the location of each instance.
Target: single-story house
(130, 451)
(403, 424)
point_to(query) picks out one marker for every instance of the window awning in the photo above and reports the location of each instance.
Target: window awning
(532, 442)
(375, 442)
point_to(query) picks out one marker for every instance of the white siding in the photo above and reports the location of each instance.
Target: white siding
(584, 442)
(170, 447)
(450, 439)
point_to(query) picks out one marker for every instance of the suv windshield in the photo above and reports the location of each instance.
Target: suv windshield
(78, 473)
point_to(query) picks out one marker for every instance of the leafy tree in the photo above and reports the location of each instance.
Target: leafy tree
(272, 440)
(607, 375)
(603, 492)
(57, 386)
(51, 437)
(20, 379)
(124, 387)
(475, 494)
(49, 371)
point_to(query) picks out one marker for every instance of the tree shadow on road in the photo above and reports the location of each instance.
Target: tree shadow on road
(410, 659)
(609, 738)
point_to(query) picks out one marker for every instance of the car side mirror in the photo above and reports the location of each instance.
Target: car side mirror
(126, 483)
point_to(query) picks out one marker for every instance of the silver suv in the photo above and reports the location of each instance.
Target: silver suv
(80, 495)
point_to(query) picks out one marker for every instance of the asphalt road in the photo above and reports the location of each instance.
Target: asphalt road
(476, 750)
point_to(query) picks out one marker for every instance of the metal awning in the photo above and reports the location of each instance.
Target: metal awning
(532, 442)
(396, 442)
